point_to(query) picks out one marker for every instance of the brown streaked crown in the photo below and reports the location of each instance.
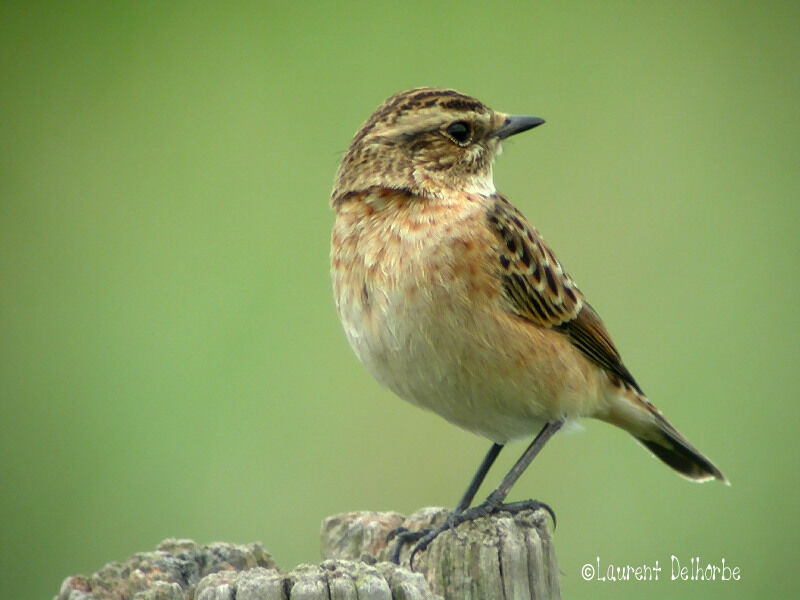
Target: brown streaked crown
(425, 141)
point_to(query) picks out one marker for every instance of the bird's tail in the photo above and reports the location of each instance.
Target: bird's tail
(633, 413)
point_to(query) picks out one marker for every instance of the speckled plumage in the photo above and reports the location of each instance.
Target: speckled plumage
(454, 301)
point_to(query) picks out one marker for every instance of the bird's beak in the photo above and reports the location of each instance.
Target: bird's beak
(514, 125)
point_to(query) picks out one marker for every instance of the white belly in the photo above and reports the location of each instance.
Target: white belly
(446, 370)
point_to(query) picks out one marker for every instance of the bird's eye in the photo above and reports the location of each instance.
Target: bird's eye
(460, 132)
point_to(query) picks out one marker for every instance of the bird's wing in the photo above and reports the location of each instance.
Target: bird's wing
(536, 288)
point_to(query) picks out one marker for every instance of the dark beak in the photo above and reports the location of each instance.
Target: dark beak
(514, 125)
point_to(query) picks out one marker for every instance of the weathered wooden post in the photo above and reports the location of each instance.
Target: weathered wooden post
(503, 556)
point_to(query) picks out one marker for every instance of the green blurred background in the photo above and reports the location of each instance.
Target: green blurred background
(171, 362)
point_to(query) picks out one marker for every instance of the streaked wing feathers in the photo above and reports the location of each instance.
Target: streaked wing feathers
(538, 289)
(533, 281)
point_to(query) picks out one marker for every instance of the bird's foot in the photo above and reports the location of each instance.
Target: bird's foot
(490, 507)
(424, 537)
(403, 536)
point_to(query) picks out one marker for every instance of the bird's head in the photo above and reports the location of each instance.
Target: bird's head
(428, 142)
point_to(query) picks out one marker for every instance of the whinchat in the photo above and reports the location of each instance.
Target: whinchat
(453, 301)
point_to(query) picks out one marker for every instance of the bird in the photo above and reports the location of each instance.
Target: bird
(452, 300)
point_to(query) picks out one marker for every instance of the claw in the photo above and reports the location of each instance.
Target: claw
(395, 532)
(404, 536)
(515, 507)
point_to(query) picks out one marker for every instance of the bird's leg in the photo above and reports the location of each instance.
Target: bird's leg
(404, 536)
(494, 503)
(478, 478)
(495, 499)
